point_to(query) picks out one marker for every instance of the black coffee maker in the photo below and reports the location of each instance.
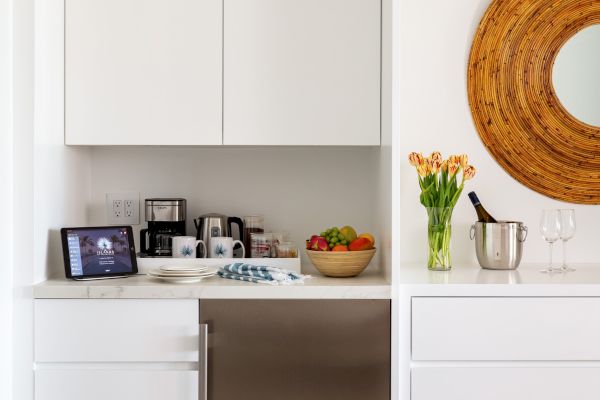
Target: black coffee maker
(166, 219)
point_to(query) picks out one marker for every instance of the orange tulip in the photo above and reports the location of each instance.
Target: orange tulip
(434, 165)
(464, 160)
(454, 160)
(423, 169)
(469, 172)
(415, 159)
(444, 166)
(453, 168)
(437, 156)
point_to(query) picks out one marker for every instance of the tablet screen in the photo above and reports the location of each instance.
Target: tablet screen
(99, 251)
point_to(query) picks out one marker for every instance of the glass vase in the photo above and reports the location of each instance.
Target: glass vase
(439, 233)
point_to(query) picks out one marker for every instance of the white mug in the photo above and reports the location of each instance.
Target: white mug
(222, 247)
(185, 247)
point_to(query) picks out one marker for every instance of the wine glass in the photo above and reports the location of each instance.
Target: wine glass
(567, 231)
(550, 230)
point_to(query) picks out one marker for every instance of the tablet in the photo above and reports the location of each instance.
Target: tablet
(97, 252)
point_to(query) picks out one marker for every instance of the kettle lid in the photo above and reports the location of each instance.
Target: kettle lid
(212, 215)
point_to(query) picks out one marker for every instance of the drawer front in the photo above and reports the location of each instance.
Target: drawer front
(116, 330)
(88, 384)
(491, 328)
(505, 383)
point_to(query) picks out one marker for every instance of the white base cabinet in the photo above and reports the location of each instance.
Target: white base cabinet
(118, 349)
(508, 383)
(501, 348)
(506, 328)
(117, 384)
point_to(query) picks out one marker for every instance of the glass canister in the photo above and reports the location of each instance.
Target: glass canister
(278, 237)
(287, 250)
(252, 224)
(260, 245)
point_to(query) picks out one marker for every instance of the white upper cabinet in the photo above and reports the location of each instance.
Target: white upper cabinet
(143, 72)
(302, 72)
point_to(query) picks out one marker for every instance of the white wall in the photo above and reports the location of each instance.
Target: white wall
(22, 346)
(301, 190)
(44, 185)
(62, 174)
(385, 153)
(6, 199)
(434, 115)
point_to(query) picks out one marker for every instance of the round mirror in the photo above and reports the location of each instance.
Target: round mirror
(576, 75)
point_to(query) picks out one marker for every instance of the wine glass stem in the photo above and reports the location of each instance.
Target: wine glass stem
(551, 245)
(564, 264)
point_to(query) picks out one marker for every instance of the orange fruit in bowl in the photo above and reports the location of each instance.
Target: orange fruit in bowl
(340, 247)
(360, 244)
(368, 236)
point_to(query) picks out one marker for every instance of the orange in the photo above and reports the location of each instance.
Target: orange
(368, 236)
(339, 247)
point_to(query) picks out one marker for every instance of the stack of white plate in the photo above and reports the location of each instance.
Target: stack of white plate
(182, 273)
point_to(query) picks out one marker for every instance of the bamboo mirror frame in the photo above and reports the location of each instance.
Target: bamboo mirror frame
(516, 111)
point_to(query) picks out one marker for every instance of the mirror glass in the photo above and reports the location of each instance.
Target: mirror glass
(576, 75)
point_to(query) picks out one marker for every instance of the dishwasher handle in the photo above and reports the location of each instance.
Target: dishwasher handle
(203, 363)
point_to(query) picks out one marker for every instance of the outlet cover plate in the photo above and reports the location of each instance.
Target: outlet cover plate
(123, 208)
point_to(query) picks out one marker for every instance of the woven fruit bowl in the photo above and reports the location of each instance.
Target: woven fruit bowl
(340, 264)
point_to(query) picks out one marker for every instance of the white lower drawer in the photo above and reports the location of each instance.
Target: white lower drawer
(119, 384)
(490, 328)
(525, 383)
(75, 330)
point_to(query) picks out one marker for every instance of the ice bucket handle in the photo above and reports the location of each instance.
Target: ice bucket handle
(521, 230)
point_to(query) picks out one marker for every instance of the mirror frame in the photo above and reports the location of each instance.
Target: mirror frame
(516, 111)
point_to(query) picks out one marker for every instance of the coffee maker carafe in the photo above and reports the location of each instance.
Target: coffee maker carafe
(215, 225)
(166, 218)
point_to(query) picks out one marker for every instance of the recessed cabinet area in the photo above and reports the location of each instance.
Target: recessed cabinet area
(240, 108)
(213, 72)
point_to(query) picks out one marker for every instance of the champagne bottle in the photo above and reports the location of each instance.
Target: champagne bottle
(482, 214)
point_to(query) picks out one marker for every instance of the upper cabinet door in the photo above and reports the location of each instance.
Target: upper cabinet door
(143, 72)
(302, 72)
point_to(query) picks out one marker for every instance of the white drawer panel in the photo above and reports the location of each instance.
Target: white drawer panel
(490, 328)
(115, 385)
(116, 330)
(505, 383)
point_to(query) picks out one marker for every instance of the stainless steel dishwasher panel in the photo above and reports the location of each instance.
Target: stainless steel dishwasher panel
(297, 349)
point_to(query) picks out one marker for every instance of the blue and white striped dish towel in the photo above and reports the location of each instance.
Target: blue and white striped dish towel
(261, 274)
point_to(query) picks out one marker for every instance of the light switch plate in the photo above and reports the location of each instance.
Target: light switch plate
(123, 208)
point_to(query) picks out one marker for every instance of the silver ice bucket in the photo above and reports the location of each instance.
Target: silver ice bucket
(499, 245)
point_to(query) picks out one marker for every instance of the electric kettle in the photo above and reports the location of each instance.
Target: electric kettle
(216, 225)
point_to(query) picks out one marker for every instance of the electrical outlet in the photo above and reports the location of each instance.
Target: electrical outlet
(117, 209)
(129, 208)
(123, 208)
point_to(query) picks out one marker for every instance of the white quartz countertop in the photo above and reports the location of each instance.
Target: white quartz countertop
(366, 286)
(527, 280)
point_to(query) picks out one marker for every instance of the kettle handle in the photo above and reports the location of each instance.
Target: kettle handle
(197, 223)
(238, 221)
(472, 232)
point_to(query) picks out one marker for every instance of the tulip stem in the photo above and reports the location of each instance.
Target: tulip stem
(439, 235)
